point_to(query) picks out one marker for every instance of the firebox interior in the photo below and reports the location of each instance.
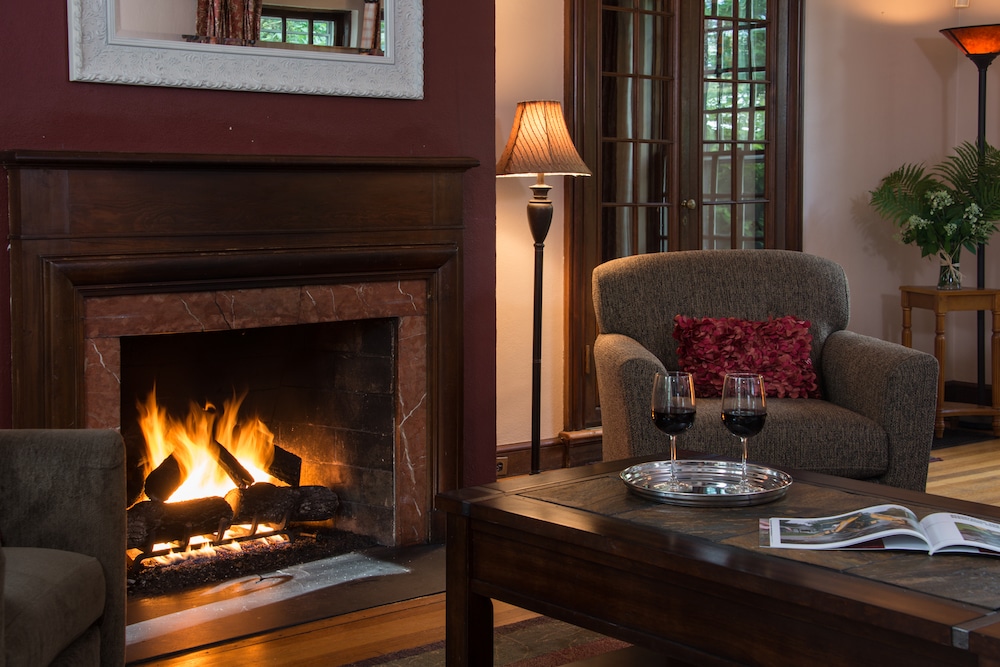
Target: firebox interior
(326, 391)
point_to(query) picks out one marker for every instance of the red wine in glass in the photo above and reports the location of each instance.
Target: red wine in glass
(674, 421)
(744, 410)
(744, 422)
(673, 412)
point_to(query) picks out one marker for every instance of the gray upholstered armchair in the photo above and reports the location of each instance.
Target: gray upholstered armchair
(875, 420)
(62, 563)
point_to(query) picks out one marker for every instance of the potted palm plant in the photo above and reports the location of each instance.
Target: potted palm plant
(955, 205)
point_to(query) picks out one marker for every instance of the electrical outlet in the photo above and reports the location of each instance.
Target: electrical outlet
(501, 466)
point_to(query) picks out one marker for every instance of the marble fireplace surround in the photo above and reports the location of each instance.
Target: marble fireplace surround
(109, 245)
(107, 319)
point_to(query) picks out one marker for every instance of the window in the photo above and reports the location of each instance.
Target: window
(695, 146)
(294, 26)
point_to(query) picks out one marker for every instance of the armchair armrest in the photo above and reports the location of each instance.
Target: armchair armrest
(893, 385)
(65, 489)
(625, 370)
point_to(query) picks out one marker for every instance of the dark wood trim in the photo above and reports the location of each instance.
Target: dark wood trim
(86, 224)
(193, 161)
(569, 450)
(788, 132)
(581, 408)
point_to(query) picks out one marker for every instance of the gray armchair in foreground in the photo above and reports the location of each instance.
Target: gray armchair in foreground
(874, 420)
(62, 561)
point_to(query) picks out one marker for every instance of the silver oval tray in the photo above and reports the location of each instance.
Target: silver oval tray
(706, 483)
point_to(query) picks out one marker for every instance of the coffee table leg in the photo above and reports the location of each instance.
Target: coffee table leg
(469, 617)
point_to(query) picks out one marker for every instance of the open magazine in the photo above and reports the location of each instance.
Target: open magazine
(884, 527)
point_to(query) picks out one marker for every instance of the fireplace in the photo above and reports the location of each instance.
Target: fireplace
(118, 260)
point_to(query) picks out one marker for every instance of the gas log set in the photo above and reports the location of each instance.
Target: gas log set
(203, 453)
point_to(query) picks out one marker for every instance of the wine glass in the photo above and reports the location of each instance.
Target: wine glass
(744, 409)
(673, 410)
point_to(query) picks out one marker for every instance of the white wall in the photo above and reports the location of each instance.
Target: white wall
(882, 87)
(529, 57)
(157, 17)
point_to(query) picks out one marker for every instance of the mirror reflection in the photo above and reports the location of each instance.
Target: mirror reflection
(348, 26)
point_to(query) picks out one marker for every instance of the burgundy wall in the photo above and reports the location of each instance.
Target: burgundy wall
(41, 109)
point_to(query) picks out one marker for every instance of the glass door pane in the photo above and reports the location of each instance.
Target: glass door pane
(638, 143)
(735, 142)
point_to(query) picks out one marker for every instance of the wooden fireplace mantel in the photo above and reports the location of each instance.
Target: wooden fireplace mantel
(102, 224)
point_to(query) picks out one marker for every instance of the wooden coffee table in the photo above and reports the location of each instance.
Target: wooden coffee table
(694, 584)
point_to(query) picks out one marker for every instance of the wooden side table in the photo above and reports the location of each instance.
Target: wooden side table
(942, 302)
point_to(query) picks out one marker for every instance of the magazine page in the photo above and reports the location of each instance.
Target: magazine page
(960, 533)
(878, 527)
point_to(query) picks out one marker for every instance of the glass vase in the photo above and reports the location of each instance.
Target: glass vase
(949, 276)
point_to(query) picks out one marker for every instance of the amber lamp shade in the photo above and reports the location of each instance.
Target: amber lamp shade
(975, 40)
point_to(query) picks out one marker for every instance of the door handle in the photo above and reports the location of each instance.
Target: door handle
(689, 203)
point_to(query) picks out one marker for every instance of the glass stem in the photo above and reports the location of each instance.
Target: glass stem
(673, 456)
(743, 470)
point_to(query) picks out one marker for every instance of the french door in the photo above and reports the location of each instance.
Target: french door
(687, 112)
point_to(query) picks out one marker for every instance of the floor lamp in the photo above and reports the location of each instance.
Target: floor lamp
(539, 144)
(981, 43)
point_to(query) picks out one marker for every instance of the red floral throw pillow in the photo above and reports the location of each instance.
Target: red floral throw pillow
(778, 349)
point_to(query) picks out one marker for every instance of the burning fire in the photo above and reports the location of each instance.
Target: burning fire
(194, 442)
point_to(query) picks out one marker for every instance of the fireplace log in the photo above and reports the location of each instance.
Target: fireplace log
(166, 478)
(241, 476)
(150, 522)
(263, 503)
(285, 466)
(316, 503)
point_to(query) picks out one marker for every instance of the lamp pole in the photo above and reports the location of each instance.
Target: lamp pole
(982, 61)
(981, 44)
(539, 221)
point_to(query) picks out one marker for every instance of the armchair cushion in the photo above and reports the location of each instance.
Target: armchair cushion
(51, 597)
(803, 434)
(776, 348)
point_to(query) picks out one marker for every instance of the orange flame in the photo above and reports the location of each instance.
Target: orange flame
(194, 440)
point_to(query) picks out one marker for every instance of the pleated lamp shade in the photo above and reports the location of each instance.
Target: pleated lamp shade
(975, 40)
(539, 143)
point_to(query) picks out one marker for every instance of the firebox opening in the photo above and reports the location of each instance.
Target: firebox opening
(326, 391)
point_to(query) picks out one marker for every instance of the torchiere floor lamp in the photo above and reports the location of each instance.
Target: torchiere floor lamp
(539, 144)
(981, 43)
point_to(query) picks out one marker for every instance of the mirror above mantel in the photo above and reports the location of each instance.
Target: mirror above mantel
(157, 43)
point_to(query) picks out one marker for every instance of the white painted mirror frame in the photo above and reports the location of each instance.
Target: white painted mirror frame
(98, 55)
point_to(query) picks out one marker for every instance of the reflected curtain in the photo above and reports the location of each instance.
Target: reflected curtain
(371, 37)
(229, 21)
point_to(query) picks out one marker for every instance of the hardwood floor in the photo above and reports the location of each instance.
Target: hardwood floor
(342, 640)
(969, 472)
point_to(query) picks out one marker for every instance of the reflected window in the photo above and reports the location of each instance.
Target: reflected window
(294, 26)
